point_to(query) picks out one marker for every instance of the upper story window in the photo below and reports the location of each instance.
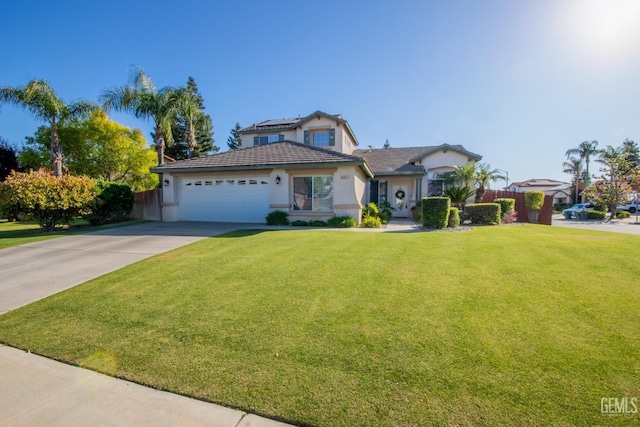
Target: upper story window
(320, 138)
(267, 139)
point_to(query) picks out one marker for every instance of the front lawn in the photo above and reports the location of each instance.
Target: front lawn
(514, 325)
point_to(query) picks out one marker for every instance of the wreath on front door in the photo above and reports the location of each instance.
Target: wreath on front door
(400, 194)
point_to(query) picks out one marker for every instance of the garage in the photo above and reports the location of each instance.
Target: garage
(225, 199)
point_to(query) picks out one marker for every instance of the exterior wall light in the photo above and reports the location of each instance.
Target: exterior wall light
(278, 179)
(166, 182)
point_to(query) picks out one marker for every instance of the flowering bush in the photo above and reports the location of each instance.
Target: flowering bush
(51, 201)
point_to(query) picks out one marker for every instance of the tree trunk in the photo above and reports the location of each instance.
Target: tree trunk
(56, 151)
(191, 140)
(159, 136)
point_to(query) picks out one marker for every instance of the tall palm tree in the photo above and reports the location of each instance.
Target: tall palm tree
(188, 107)
(143, 100)
(483, 177)
(574, 167)
(41, 100)
(584, 151)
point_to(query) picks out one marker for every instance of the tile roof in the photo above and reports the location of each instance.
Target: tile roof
(401, 161)
(283, 153)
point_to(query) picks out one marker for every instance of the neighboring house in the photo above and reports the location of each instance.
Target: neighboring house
(559, 190)
(309, 167)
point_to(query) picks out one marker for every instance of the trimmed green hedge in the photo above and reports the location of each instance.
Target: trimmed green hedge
(342, 222)
(534, 200)
(483, 213)
(506, 205)
(454, 218)
(435, 212)
(596, 215)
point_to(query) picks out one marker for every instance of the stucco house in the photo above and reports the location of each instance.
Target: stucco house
(559, 190)
(310, 167)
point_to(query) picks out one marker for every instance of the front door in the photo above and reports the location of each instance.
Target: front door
(398, 198)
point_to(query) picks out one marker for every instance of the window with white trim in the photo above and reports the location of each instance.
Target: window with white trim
(313, 193)
(267, 139)
(320, 138)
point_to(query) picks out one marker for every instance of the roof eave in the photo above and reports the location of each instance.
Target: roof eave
(315, 165)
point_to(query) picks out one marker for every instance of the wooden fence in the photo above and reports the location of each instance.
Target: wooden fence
(148, 205)
(544, 216)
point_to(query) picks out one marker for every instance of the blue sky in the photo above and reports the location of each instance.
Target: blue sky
(516, 81)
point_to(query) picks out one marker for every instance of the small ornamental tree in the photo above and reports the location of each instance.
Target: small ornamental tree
(534, 201)
(52, 201)
(435, 212)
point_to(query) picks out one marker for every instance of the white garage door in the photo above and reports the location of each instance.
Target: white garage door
(225, 199)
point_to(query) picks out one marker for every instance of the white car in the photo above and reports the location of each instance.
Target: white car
(632, 207)
(575, 210)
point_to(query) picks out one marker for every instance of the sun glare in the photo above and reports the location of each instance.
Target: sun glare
(606, 28)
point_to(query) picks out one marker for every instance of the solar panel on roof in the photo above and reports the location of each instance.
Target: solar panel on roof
(278, 122)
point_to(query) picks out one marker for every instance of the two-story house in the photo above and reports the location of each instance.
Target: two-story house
(310, 167)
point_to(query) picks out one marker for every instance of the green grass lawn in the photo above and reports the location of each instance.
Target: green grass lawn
(513, 325)
(23, 232)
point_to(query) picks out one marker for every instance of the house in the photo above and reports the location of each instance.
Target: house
(310, 167)
(559, 190)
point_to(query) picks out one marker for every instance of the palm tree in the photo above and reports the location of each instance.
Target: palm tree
(584, 151)
(574, 167)
(143, 100)
(41, 100)
(188, 107)
(483, 177)
(465, 175)
(458, 195)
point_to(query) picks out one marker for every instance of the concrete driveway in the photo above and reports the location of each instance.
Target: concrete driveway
(36, 270)
(626, 226)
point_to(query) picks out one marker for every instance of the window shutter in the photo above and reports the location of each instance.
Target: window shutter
(332, 136)
(306, 137)
(281, 137)
(255, 140)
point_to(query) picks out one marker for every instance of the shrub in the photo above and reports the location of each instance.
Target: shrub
(417, 211)
(370, 210)
(454, 218)
(506, 205)
(534, 200)
(600, 208)
(596, 215)
(342, 222)
(112, 204)
(300, 223)
(277, 218)
(510, 217)
(483, 213)
(385, 211)
(559, 207)
(371, 222)
(318, 223)
(623, 214)
(49, 200)
(435, 212)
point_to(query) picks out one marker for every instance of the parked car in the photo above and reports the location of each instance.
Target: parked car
(632, 207)
(575, 210)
